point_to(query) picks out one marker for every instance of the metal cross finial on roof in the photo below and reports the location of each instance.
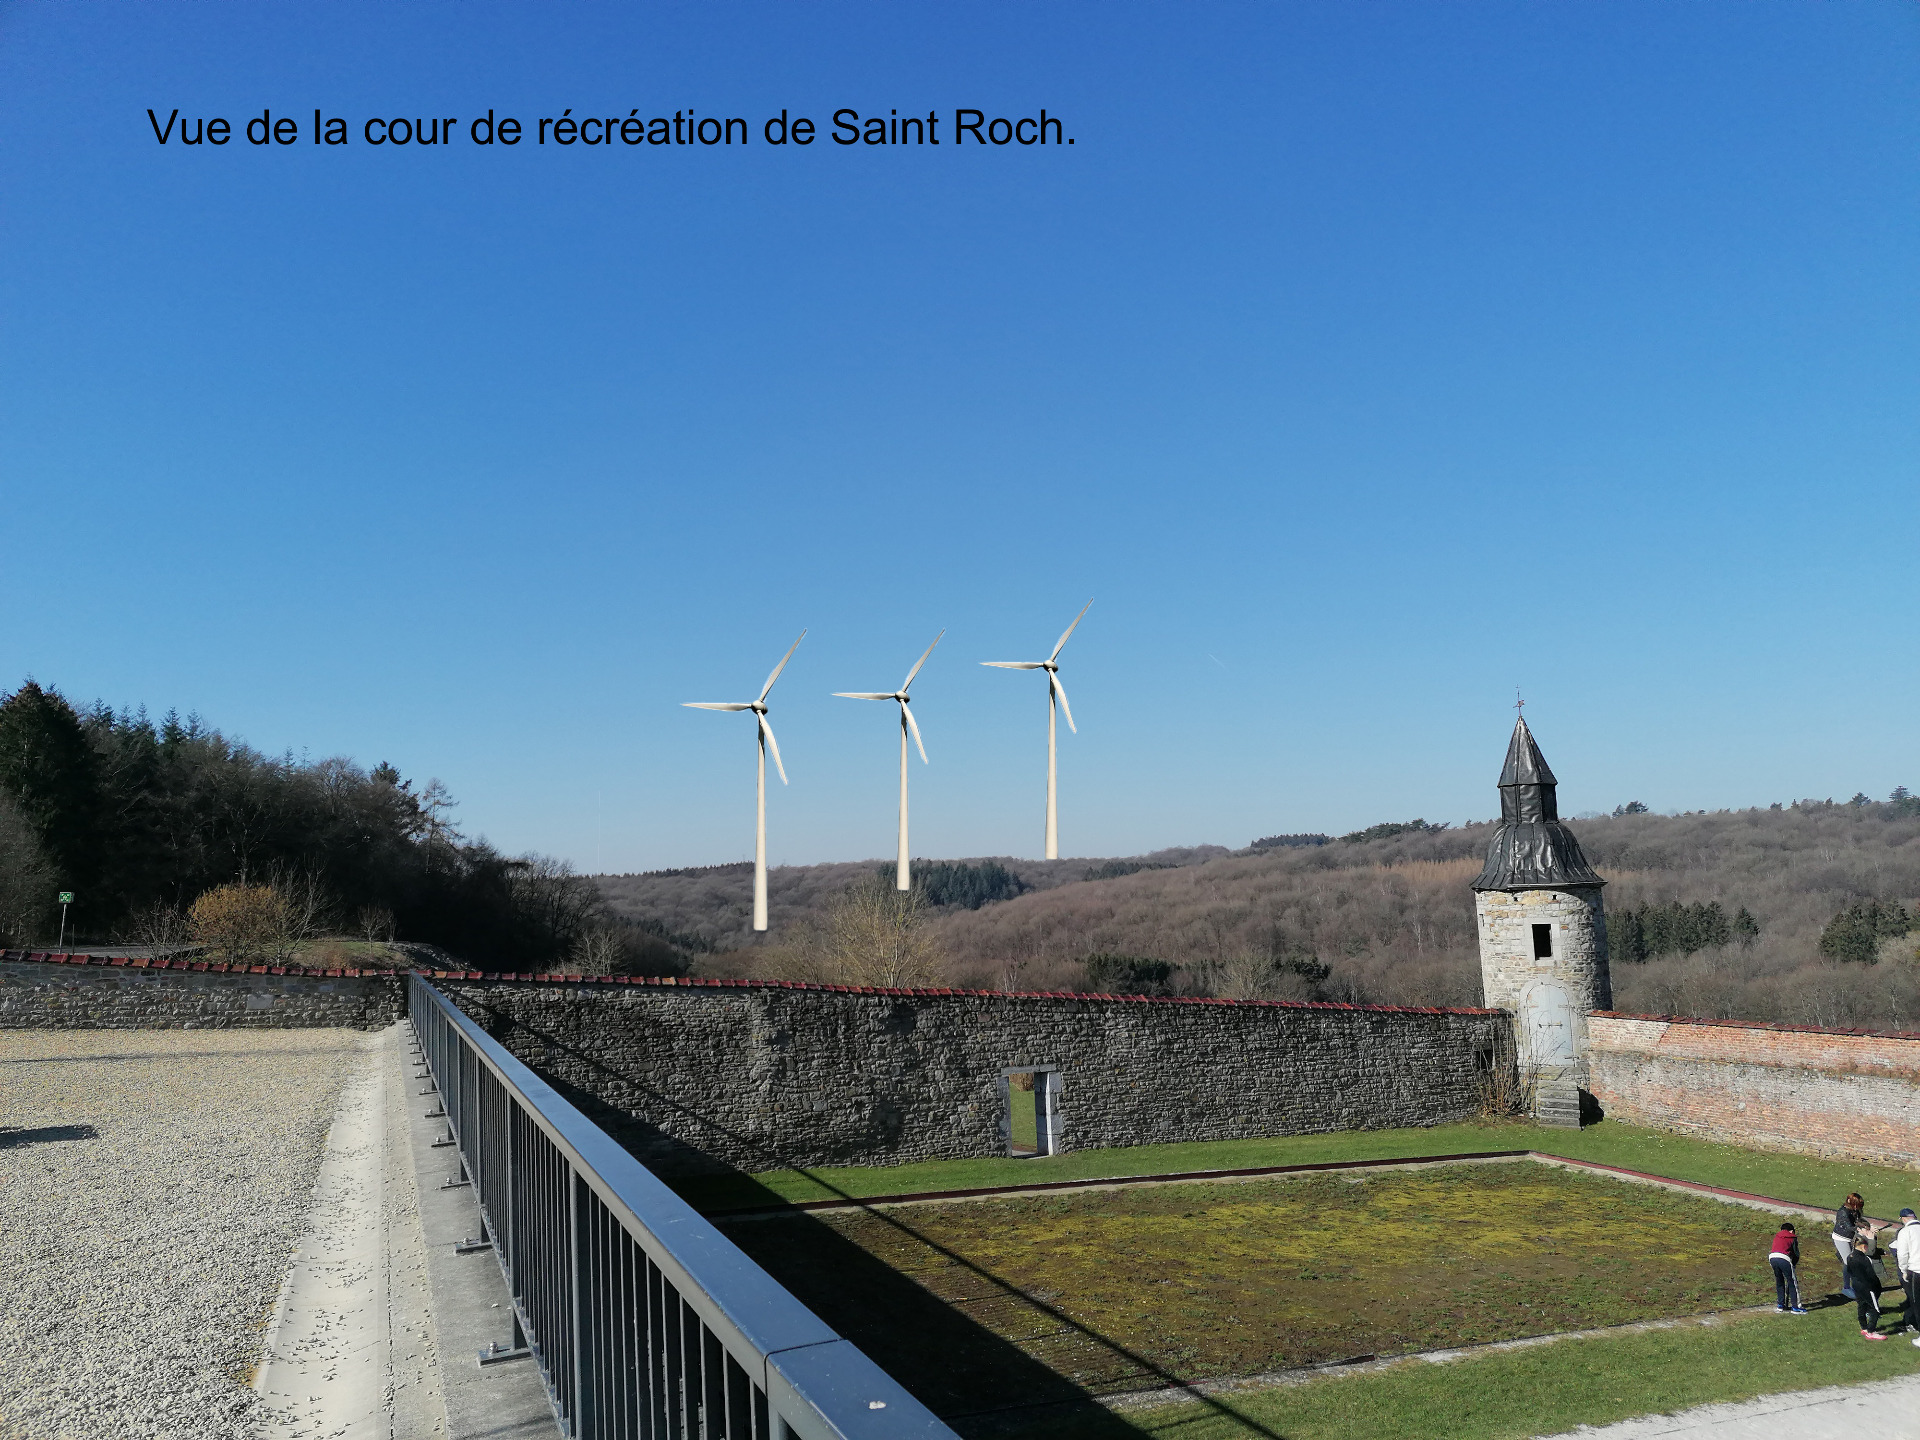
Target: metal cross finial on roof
(1518, 704)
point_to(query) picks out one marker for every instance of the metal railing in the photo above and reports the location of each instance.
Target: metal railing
(646, 1322)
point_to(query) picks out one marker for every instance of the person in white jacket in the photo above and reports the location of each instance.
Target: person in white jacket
(1906, 1255)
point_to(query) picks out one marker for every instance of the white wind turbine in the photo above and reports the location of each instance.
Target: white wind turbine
(759, 708)
(903, 880)
(1056, 698)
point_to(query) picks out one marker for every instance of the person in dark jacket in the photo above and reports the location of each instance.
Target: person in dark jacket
(1865, 1284)
(1846, 1223)
(1784, 1260)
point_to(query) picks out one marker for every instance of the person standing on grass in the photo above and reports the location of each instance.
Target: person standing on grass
(1786, 1286)
(1865, 1284)
(1906, 1256)
(1847, 1221)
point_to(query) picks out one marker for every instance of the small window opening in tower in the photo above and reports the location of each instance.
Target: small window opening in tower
(1543, 942)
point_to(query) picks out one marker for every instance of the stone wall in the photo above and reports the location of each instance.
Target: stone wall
(77, 992)
(1847, 1094)
(701, 1077)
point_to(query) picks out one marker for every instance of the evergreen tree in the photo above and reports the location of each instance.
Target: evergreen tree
(1626, 942)
(1676, 929)
(1855, 933)
(950, 883)
(49, 771)
(1746, 929)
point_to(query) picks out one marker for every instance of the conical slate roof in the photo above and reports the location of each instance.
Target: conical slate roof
(1532, 849)
(1525, 764)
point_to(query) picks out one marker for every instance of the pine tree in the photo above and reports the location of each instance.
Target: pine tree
(1852, 935)
(1746, 929)
(1625, 941)
(49, 770)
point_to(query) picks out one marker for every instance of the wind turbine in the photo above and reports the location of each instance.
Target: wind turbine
(1056, 698)
(903, 880)
(759, 708)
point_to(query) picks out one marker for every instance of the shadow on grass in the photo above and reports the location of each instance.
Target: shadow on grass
(976, 1380)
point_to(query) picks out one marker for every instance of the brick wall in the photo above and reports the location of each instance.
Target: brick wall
(1849, 1094)
(78, 992)
(700, 1077)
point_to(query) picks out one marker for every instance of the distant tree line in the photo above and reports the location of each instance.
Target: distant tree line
(1636, 935)
(1390, 829)
(732, 867)
(1856, 932)
(1289, 842)
(1115, 869)
(136, 816)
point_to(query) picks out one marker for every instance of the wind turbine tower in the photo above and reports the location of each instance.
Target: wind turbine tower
(759, 708)
(1056, 701)
(904, 880)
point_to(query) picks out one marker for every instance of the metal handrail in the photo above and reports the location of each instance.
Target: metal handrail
(647, 1323)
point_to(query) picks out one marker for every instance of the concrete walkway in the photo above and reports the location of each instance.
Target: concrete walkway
(1882, 1410)
(376, 1332)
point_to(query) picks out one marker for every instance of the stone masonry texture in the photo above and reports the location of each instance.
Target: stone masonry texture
(708, 1078)
(1507, 963)
(1842, 1094)
(72, 993)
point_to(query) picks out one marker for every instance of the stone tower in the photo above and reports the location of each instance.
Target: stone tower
(1543, 934)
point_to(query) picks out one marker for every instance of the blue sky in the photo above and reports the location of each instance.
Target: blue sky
(1362, 361)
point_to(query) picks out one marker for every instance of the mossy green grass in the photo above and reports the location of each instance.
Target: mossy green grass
(1798, 1178)
(1041, 1299)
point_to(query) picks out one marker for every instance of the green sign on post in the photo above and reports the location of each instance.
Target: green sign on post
(66, 897)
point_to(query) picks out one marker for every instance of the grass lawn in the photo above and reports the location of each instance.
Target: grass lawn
(1509, 1395)
(1787, 1177)
(1025, 1123)
(981, 1305)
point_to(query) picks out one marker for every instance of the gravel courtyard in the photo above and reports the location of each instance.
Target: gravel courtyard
(153, 1186)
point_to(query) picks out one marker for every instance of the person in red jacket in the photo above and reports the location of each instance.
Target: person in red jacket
(1785, 1260)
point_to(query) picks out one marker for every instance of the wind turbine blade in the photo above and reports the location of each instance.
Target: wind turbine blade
(1016, 664)
(863, 695)
(918, 663)
(906, 712)
(783, 664)
(1070, 629)
(1065, 708)
(710, 705)
(774, 746)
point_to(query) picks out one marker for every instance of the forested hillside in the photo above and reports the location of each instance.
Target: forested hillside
(1801, 913)
(140, 818)
(711, 907)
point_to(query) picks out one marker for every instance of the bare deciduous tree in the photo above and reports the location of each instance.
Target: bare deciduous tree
(869, 934)
(161, 928)
(598, 951)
